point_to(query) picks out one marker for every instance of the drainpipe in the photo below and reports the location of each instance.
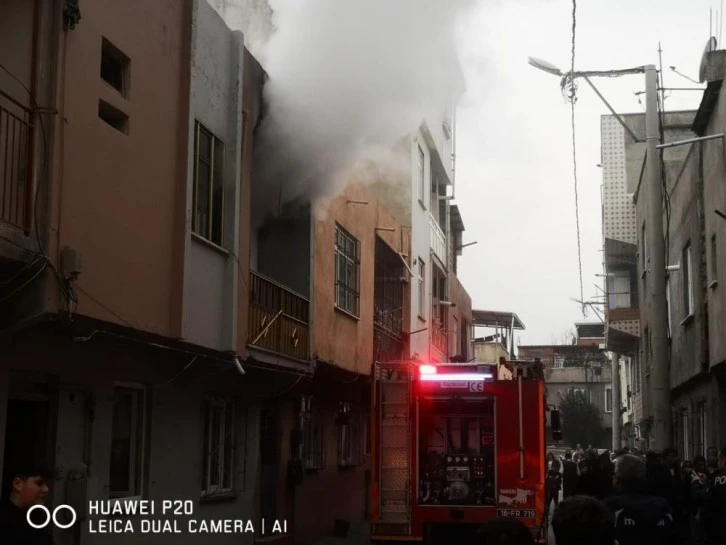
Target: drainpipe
(615, 405)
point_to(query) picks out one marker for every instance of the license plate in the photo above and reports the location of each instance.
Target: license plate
(516, 513)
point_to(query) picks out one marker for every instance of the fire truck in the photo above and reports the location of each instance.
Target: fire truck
(457, 448)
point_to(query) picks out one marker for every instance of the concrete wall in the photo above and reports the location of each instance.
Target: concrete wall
(676, 127)
(714, 195)
(688, 329)
(420, 251)
(117, 206)
(331, 323)
(490, 352)
(211, 273)
(80, 423)
(460, 318)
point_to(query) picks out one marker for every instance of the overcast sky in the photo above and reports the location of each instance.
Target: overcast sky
(514, 181)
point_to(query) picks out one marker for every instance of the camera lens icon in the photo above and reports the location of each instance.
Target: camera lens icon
(53, 516)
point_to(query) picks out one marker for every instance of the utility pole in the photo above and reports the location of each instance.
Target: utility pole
(615, 404)
(655, 275)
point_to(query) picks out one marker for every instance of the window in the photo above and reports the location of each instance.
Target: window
(347, 271)
(114, 67)
(127, 442)
(421, 175)
(714, 260)
(421, 289)
(455, 343)
(685, 445)
(687, 280)
(608, 399)
(313, 441)
(699, 430)
(220, 447)
(584, 392)
(668, 306)
(619, 289)
(351, 437)
(208, 212)
(113, 116)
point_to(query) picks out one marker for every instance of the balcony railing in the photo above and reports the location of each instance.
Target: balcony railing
(278, 318)
(438, 338)
(16, 135)
(438, 240)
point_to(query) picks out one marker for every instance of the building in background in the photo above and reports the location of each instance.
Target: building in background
(582, 366)
(500, 343)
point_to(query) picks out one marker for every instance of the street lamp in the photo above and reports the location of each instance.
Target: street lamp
(660, 380)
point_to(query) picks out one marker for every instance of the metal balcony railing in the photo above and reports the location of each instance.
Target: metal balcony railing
(439, 338)
(279, 318)
(16, 150)
(438, 240)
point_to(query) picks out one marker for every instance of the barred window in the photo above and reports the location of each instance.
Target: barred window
(347, 271)
(313, 441)
(221, 439)
(351, 437)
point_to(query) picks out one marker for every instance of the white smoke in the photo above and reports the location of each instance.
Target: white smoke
(347, 80)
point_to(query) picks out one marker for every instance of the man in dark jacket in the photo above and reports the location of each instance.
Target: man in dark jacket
(641, 518)
(569, 475)
(583, 520)
(715, 508)
(28, 488)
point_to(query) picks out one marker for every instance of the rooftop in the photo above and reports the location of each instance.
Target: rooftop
(495, 318)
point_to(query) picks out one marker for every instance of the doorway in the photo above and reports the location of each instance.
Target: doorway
(270, 451)
(26, 435)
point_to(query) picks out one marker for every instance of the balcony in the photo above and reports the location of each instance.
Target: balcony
(16, 137)
(438, 241)
(278, 319)
(439, 338)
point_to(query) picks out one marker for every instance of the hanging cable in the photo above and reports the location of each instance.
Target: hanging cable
(569, 87)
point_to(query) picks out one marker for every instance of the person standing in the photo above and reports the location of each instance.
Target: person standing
(641, 517)
(29, 487)
(715, 509)
(569, 476)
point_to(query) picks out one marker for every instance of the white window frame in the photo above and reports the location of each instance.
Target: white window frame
(137, 461)
(421, 171)
(619, 296)
(687, 275)
(227, 434)
(714, 261)
(216, 171)
(686, 443)
(608, 399)
(586, 391)
(422, 289)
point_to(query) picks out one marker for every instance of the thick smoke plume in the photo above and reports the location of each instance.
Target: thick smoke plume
(347, 80)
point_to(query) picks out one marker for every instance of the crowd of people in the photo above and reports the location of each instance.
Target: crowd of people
(631, 497)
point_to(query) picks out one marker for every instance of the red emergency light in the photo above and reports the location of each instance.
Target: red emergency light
(430, 373)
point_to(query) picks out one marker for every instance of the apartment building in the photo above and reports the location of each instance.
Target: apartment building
(127, 135)
(698, 358)
(583, 367)
(627, 261)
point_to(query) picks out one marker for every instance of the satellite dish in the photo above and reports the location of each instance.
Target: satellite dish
(710, 46)
(544, 65)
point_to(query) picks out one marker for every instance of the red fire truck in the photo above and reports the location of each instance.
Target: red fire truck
(456, 446)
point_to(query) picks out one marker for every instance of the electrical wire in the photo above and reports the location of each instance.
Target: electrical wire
(568, 83)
